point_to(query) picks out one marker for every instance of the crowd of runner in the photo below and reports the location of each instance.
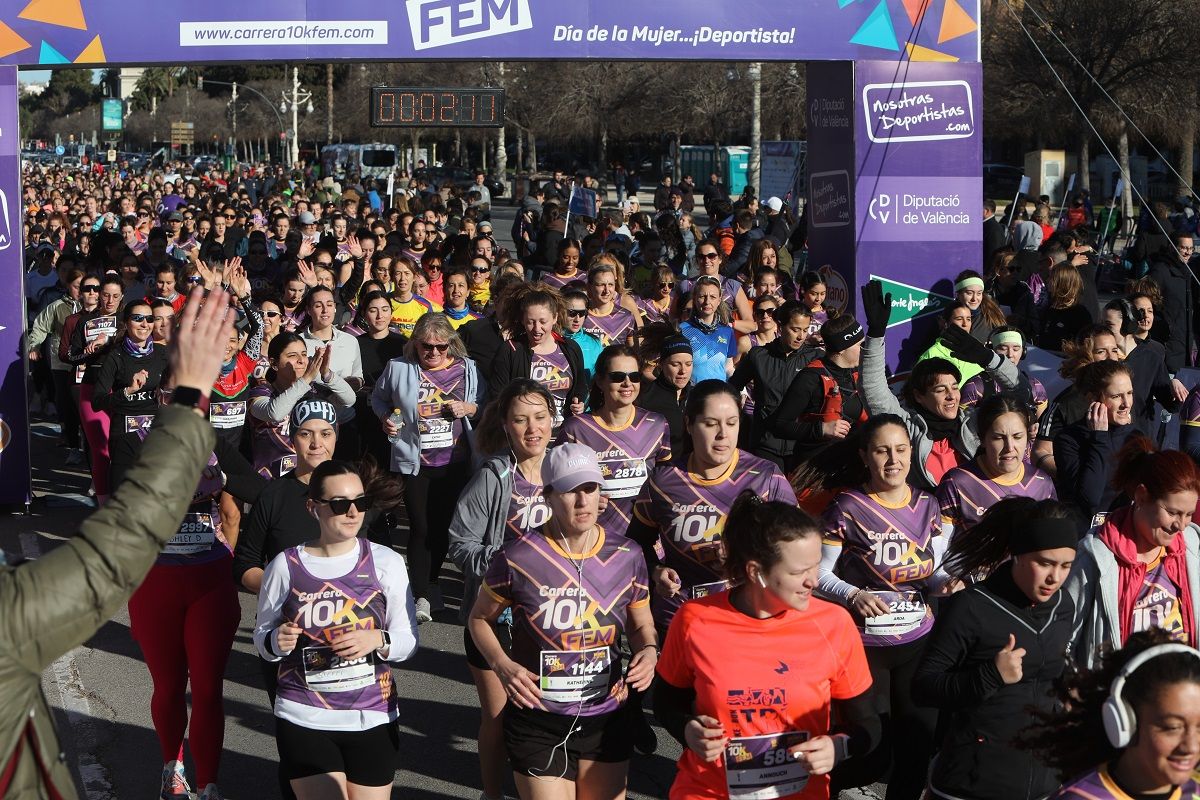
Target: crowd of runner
(676, 480)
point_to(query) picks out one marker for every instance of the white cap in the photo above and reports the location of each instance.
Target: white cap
(570, 465)
(775, 204)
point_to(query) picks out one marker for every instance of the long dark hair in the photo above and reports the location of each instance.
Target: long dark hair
(381, 487)
(599, 373)
(976, 552)
(1071, 738)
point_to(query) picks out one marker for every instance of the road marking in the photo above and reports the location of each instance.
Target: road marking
(92, 774)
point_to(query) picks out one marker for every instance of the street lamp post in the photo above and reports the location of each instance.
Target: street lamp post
(294, 99)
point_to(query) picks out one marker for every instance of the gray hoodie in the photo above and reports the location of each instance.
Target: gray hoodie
(477, 529)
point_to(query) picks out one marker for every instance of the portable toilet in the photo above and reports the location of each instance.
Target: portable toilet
(733, 165)
(737, 170)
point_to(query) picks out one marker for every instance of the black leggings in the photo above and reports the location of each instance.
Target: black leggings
(430, 497)
(907, 743)
(67, 405)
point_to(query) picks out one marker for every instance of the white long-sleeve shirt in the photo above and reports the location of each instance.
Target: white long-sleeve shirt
(401, 625)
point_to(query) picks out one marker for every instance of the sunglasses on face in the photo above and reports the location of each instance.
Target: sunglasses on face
(429, 347)
(480, 270)
(706, 256)
(90, 288)
(577, 313)
(271, 314)
(194, 279)
(142, 214)
(341, 505)
(763, 312)
(667, 285)
(621, 377)
(141, 317)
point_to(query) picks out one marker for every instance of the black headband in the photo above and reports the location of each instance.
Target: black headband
(1030, 536)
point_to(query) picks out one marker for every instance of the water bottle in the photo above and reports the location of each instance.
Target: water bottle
(396, 419)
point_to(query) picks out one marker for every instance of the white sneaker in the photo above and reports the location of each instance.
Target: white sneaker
(423, 613)
(174, 782)
(211, 792)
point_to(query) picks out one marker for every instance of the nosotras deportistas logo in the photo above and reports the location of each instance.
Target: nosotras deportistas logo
(436, 23)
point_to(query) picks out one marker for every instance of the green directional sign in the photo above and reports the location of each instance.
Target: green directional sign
(911, 302)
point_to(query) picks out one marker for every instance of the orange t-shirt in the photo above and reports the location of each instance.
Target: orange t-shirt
(769, 682)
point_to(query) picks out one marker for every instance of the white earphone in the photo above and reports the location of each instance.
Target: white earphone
(1120, 720)
(761, 581)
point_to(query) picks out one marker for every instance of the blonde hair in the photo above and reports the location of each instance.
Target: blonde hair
(1066, 284)
(434, 325)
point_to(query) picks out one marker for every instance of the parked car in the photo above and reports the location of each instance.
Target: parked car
(461, 178)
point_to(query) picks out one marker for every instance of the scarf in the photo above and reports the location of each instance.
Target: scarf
(939, 428)
(138, 351)
(1117, 535)
(707, 330)
(459, 314)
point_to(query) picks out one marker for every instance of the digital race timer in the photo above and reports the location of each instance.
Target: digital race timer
(406, 107)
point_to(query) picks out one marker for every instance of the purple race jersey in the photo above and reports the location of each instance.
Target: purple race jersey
(326, 608)
(1190, 413)
(527, 508)
(442, 440)
(552, 371)
(819, 318)
(554, 280)
(889, 552)
(965, 493)
(271, 444)
(567, 620)
(627, 456)
(1098, 784)
(612, 328)
(1157, 605)
(652, 312)
(689, 513)
(972, 391)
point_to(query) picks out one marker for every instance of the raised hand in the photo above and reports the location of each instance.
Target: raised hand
(877, 307)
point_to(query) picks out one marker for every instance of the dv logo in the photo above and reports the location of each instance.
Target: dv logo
(436, 23)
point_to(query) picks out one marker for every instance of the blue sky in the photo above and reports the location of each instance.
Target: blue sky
(43, 75)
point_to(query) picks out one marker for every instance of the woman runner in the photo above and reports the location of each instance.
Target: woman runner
(748, 677)
(336, 707)
(682, 507)
(629, 441)
(881, 557)
(574, 590)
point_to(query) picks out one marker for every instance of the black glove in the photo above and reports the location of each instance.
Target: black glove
(966, 347)
(878, 308)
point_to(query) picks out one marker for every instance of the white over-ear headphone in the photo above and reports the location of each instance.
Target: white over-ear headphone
(1120, 720)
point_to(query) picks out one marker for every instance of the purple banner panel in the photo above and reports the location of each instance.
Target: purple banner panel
(918, 190)
(14, 408)
(99, 32)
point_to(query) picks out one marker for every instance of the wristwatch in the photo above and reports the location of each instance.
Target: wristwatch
(387, 640)
(190, 397)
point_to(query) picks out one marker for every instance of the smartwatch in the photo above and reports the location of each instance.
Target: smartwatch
(387, 640)
(190, 397)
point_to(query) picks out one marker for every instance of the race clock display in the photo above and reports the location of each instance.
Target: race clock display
(407, 107)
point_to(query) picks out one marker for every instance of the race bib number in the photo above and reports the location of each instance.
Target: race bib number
(907, 611)
(326, 671)
(623, 477)
(574, 676)
(231, 414)
(139, 424)
(705, 589)
(760, 768)
(196, 534)
(437, 433)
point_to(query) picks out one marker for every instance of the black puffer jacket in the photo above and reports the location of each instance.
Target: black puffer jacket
(981, 715)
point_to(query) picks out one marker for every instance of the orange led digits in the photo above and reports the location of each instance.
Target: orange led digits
(407, 107)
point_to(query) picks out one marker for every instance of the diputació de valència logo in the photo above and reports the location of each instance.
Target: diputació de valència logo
(436, 23)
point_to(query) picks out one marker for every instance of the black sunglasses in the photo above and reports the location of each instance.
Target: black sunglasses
(480, 270)
(193, 279)
(141, 317)
(666, 285)
(89, 288)
(577, 312)
(763, 312)
(707, 256)
(429, 347)
(621, 377)
(341, 505)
